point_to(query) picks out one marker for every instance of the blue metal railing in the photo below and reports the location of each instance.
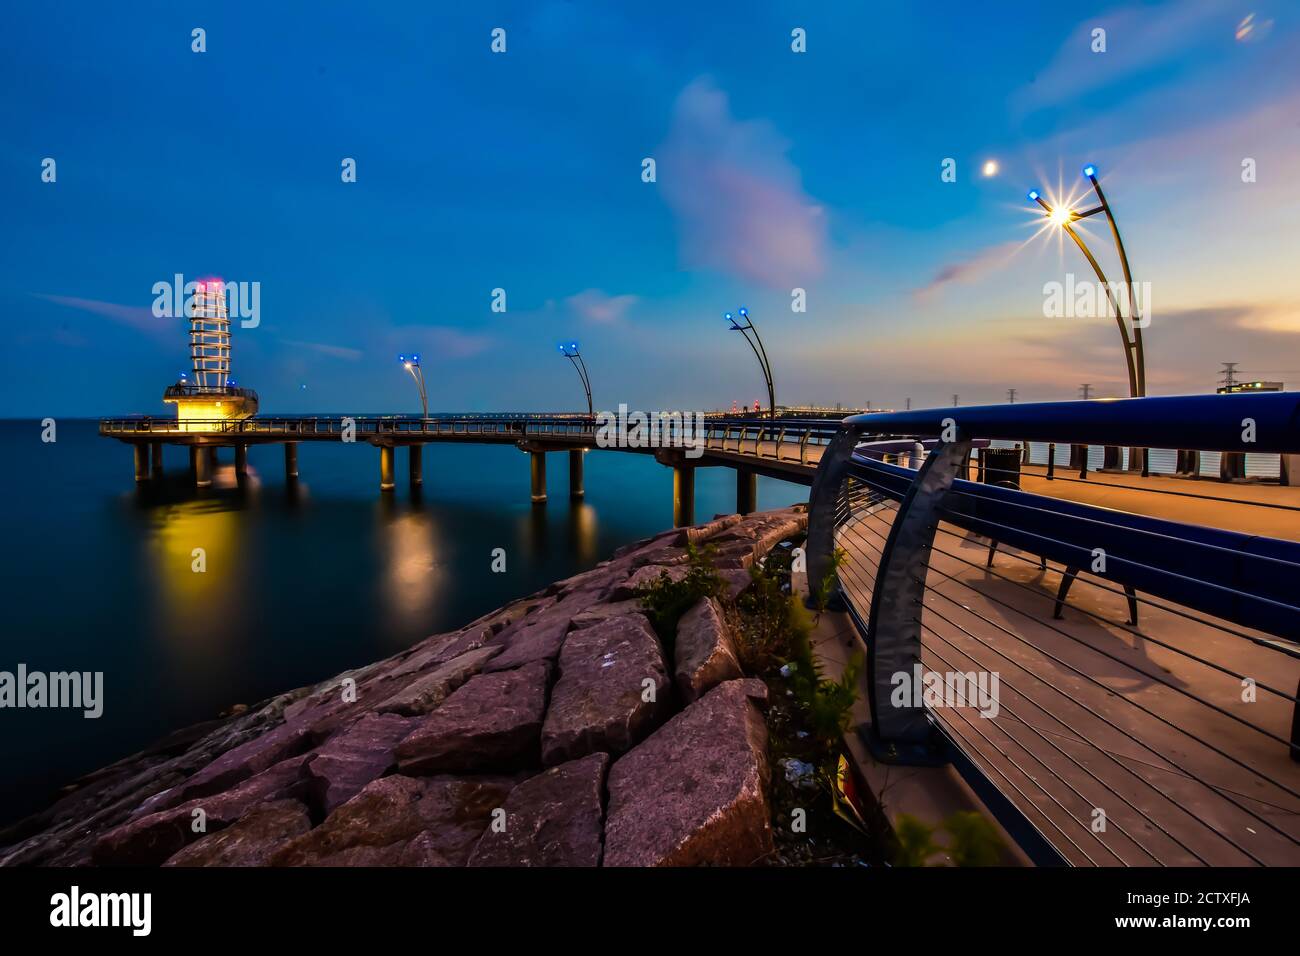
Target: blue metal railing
(1226, 604)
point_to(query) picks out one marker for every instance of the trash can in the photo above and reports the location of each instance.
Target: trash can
(1001, 467)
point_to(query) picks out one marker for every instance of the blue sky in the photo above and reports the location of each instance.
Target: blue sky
(522, 171)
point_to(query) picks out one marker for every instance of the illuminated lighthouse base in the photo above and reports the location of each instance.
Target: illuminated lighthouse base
(205, 408)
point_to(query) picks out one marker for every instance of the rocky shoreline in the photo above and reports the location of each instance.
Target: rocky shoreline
(559, 730)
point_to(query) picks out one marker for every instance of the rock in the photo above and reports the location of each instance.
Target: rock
(151, 839)
(491, 722)
(603, 612)
(249, 842)
(336, 772)
(436, 652)
(235, 766)
(532, 641)
(599, 701)
(735, 581)
(425, 693)
(660, 540)
(552, 819)
(704, 653)
(645, 576)
(703, 532)
(402, 821)
(694, 792)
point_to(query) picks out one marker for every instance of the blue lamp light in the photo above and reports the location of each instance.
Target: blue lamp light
(1033, 195)
(1090, 170)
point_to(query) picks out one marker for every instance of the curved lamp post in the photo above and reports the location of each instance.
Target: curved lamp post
(1130, 329)
(570, 351)
(760, 353)
(1130, 326)
(412, 364)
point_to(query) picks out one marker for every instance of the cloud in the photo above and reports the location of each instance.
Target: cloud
(1137, 39)
(738, 200)
(439, 342)
(596, 306)
(334, 351)
(138, 317)
(983, 263)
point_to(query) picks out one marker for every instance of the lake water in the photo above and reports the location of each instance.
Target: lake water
(97, 574)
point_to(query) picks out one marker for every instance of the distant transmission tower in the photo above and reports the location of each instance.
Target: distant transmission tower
(1229, 373)
(1085, 391)
(1011, 395)
(954, 400)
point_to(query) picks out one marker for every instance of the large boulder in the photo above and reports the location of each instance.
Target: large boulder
(403, 821)
(336, 772)
(645, 576)
(703, 532)
(601, 701)
(603, 612)
(251, 841)
(235, 766)
(552, 819)
(695, 792)
(151, 839)
(491, 722)
(535, 639)
(428, 691)
(704, 652)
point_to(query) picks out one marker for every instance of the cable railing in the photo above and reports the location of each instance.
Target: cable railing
(1119, 684)
(787, 440)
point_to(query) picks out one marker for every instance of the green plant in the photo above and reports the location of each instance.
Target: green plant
(915, 841)
(665, 600)
(972, 840)
(769, 619)
(825, 588)
(826, 704)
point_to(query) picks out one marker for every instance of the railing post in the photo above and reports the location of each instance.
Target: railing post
(903, 731)
(822, 502)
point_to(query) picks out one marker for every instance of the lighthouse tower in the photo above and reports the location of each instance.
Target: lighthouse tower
(211, 396)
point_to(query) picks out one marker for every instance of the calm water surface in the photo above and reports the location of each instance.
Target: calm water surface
(300, 584)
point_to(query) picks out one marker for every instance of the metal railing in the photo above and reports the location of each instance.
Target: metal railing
(1145, 668)
(786, 440)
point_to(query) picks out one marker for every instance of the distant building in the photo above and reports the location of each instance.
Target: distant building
(1250, 387)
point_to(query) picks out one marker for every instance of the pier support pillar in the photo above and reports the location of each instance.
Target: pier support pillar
(683, 495)
(415, 455)
(386, 456)
(241, 459)
(194, 461)
(141, 452)
(203, 460)
(537, 469)
(1112, 459)
(156, 459)
(746, 491)
(575, 473)
(291, 461)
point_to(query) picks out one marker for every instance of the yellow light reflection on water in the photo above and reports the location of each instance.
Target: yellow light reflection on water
(414, 576)
(198, 564)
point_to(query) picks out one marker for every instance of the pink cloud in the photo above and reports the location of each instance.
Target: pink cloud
(983, 263)
(138, 317)
(738, 200)
(597, 306)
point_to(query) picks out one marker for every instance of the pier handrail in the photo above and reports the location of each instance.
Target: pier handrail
(890, 538)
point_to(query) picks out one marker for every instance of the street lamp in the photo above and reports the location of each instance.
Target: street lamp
(570, 351)
(1064, 217)
(412, 364)
(760, 353)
